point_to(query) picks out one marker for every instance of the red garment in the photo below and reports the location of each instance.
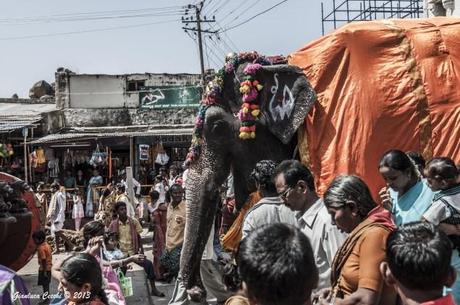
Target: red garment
(383, 216)
(447, 300)
(159, 233)
(114, 227)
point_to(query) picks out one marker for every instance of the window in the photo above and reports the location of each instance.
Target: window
(135, 85)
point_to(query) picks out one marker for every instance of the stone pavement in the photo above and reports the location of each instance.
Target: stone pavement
(30, 274)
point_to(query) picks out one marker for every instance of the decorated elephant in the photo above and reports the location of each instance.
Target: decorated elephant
(250, 112)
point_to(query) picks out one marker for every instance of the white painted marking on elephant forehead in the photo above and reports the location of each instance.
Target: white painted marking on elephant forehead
(284, 109)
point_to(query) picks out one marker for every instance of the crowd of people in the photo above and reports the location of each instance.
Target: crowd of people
(287, 245)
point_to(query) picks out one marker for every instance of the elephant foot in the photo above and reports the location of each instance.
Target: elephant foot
(196, 294)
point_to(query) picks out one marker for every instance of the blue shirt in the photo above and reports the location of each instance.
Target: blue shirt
(411, 206)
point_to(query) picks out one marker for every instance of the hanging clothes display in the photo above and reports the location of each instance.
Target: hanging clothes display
(162, 158)
(53, 168)
(98, 157)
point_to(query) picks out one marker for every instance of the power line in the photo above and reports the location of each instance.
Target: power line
(253, 17)
(87, 31)
(244, 11)
(218, 47)
(94, 18)
(168, 8)
(206, 51)
(213, 6)
(233, 11)
(224, 3)
(231, 48)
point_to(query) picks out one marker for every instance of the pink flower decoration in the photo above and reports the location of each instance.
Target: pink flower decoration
(251, 69)
(251, 96)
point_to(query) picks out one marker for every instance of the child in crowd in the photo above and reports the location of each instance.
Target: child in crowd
(77, 211)
(418, 264)
(277, 266)
(111, 250)
(44, 262)
(442, 175)
(82, 280)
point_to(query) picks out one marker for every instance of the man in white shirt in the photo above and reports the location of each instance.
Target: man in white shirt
(56, 213)
(270, 208)
(136, 184)
(296, 188)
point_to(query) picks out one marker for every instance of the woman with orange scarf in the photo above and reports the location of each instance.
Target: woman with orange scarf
(355, 275)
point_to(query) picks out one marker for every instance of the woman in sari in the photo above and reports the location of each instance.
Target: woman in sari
(355, 275)
(92, 195)
(407, 195)
(157, 212)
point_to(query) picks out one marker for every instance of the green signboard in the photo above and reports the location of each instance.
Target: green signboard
(161, 97)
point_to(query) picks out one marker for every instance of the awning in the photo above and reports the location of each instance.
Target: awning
(112, 132)
(12, 123)
(14, 116)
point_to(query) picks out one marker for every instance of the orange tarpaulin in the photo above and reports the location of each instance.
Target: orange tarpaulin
(381, 85)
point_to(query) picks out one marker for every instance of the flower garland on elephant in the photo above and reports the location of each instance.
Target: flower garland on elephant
(249, 88)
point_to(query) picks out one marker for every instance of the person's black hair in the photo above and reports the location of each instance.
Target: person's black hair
(349, 188)
(55, 184)
(418, 255)
(277, 265)
(293, 172)
(83, 268)
(154, 195)
(119, 204)
(263, 175)
(176, 186)
(417, 158)
(159, 177)
(442, 168)
(120, 186)
(108, 236)
(92, 229)
(106, 192)
(230, 277)
(398, 160)
(39, 236)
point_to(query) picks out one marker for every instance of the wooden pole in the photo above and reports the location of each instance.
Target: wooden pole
(24, 133)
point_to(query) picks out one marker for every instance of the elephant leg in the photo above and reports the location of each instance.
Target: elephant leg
(202, 196)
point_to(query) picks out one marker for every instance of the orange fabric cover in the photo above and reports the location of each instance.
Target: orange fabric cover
(381, 85)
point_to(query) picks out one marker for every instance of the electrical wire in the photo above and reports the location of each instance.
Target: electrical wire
(233, 11)
(96, 18)
(206, 52)
(86, 31)
(97, 13)
(218, 47)
(212, 6)
(253, 17)
(245, 10)
(233, 47)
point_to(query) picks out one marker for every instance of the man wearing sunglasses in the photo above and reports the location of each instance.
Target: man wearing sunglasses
(296, 188)
(269, 209)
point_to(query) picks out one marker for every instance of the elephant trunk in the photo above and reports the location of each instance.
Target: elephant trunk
(202, 196)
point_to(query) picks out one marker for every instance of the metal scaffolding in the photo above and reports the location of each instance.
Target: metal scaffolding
(345, 11)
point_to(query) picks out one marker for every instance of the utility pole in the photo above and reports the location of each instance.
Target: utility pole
(197, 19)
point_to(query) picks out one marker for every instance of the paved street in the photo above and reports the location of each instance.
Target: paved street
(30, 274)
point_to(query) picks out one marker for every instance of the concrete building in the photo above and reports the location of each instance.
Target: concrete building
(131, 118)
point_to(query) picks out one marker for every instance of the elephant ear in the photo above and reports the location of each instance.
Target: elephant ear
(285, 100)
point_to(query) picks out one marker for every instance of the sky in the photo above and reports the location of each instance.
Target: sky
(37, 37)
